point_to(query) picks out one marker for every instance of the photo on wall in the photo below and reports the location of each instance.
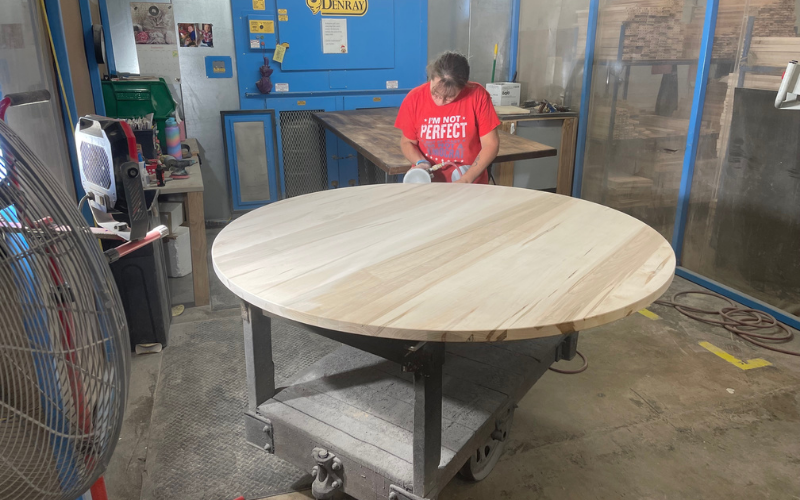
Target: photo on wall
(207, 34)
(153, 23)
(188, 34)
(196, 34)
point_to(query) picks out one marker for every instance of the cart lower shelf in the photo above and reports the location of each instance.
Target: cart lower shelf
(356, 412)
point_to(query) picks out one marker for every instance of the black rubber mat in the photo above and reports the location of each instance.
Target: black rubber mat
(197, 449)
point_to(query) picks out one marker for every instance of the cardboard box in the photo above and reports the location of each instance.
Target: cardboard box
(504, 93)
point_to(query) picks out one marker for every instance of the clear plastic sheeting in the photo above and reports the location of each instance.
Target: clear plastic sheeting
(743, 221)
(645, 66)
(552, 43)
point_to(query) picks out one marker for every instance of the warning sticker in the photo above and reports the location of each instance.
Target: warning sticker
(262, 27)
(282, 11)
(254, 44)
(283, 17)
(391, 84)
(281, 87)
(280, 51)
(259, 5)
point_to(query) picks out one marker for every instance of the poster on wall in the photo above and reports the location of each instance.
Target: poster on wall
(196, 34)
(334, 36)
(153, 23)
(156, 40)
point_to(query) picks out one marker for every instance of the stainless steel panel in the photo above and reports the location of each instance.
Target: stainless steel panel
(448, 27)
(252, 161)
(539, 173)
(26, 64)
(119, 15)
(472, 28)
(490, 23)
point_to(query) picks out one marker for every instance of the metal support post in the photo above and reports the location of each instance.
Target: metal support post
(258, 356)
(428, 418)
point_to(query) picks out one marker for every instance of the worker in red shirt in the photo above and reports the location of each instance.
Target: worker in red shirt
(450, 120)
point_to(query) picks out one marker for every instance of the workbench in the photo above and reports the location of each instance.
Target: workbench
(191, 190)
(451, 300)
(371, 132)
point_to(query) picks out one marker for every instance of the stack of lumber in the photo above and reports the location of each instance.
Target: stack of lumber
(656, 31)
(775, 20)
(716, 92)
(610, 20)
(728, 31)
(653, 33)
(629, 191)
(773, 51)
(625, 127)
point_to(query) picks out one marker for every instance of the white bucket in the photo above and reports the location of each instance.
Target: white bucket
(417, 176)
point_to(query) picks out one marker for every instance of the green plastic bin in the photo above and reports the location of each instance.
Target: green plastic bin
(138, 98)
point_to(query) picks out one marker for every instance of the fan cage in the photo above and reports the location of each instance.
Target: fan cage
(64, 349)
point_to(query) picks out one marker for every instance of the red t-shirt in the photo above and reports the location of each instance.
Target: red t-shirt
(449, 133)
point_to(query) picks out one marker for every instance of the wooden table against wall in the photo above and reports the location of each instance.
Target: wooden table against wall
(504, 171)
(192, 191)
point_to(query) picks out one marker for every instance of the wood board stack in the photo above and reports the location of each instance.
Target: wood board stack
(629, 191)
(610, 20)
(775, 20)
(653, 33)
(716, 92)
(773, 51)
(625, 127)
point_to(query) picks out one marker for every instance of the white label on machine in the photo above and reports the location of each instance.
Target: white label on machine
(391, 84)
(254, 44)
(334, 36)
(281, 87)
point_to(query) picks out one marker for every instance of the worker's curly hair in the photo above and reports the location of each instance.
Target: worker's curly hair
(453, 70)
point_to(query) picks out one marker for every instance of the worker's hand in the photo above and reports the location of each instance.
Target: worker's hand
(462, 180)
(426, 165)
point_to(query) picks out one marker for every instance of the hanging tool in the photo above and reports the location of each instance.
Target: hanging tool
(494, 62)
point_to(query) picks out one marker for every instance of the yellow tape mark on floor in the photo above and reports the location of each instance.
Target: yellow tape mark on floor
(744, 365)
(649, 314)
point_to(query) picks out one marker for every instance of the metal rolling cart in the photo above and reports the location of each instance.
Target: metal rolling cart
(446, 321)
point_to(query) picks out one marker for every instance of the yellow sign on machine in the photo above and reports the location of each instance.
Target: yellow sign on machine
(338, 7)
(262, 27)
(259, 5)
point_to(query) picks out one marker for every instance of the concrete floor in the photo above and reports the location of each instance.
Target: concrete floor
(656, 415)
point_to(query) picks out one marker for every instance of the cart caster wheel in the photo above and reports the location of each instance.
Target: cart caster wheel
(485, 457)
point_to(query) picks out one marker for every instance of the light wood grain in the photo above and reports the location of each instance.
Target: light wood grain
(195, 214)
(443, 262)
(566, 161)
(371, 132)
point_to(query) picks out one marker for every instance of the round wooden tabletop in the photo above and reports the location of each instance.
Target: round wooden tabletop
(443, 262)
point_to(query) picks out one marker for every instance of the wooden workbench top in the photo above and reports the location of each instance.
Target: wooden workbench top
(371, 132)
(192, 184)
(443, 262)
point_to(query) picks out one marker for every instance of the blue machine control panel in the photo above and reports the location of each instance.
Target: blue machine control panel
(261, 30)
(330, 45)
